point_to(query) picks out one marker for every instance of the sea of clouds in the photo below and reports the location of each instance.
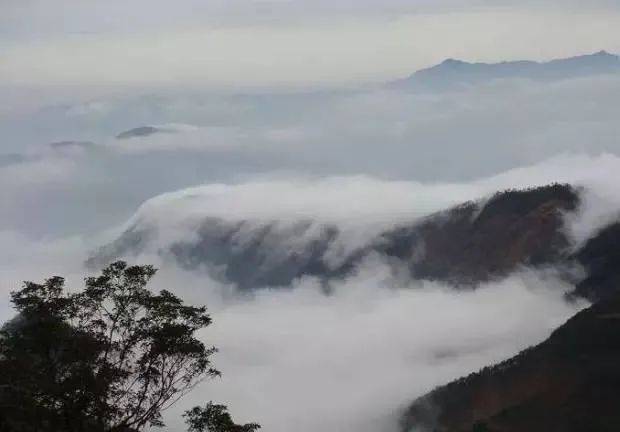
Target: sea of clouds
(299, 359)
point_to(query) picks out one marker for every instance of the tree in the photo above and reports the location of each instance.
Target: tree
(214, 418)
(480, 427)
(110, 358)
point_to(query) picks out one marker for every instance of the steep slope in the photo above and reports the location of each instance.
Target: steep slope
(455, 73)
(473, 243)
(569, 383)
(600, 257)
(470, 243)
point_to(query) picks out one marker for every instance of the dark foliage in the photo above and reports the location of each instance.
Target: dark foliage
(214, 418)
(108, 358)
(480, 427)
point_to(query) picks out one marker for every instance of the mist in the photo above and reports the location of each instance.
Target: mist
(350, 361)
(298, 359)
(301, 359)
(438, 137)
(288, 118)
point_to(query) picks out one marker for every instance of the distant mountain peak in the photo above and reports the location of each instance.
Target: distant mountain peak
(452, 72)
(604, 53)
(141, 131)
(598, 54)
(452, 61)
(148, 130)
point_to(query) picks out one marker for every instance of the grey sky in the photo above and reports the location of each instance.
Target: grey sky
(35, 16)
(238, 43)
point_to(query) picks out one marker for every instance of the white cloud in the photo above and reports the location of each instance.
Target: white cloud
(433, 138)
(362, 207)
(302, 361)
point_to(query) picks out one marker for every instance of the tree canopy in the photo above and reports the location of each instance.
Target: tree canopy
(214, 418)
(109, 358)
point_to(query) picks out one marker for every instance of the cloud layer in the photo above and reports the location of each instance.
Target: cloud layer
(448, 137)
(349, 362)
(363, 160)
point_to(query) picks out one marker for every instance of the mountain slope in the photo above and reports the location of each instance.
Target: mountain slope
(465, 245)
(456, 73)
(600, 258)
(474, 243)
(569, 383)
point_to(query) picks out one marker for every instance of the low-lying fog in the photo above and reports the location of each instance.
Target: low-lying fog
(301, 360)
(296, 359)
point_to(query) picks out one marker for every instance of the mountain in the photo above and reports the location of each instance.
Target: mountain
(600, 257)
(452, 74)
(249, 253)
(476, 242)
(569, 383)
(146, 131)
(463, 246)
(142, 131)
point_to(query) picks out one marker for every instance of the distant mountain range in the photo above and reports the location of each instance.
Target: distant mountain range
(453, 73)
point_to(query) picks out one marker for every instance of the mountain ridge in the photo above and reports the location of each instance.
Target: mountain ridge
(462, 246)
(454, 73)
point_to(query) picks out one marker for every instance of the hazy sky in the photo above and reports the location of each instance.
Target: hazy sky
(244, 43)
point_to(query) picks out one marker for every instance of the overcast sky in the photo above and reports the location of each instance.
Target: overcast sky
(243, 43)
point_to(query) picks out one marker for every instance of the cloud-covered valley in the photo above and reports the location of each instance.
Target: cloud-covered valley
(349, 360)
(278, 172)
(441, 137)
